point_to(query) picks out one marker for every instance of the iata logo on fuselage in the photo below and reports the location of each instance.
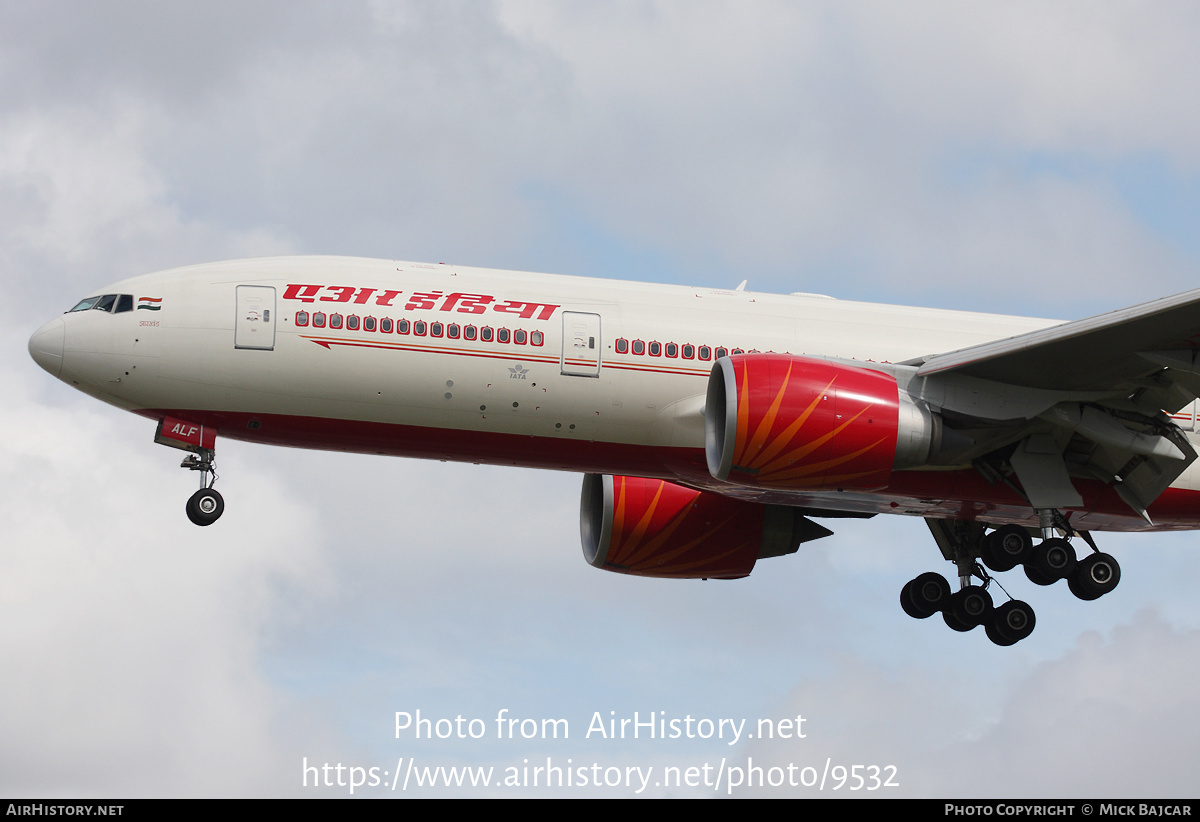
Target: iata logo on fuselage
(517, 373)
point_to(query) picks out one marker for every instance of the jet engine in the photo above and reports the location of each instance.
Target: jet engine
(655, 528)
(796, 423)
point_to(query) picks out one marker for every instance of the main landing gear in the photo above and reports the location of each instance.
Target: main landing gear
(971, 549)
(206, 505)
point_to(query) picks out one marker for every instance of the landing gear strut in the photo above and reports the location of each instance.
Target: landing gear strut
(967, 545)
(206, 505)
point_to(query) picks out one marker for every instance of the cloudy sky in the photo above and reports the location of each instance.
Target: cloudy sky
(1031, 158)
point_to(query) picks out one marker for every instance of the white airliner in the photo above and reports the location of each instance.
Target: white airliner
(712, 426)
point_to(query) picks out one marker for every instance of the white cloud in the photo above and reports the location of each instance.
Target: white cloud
(812, 140)
(131, 638)
(83, 205)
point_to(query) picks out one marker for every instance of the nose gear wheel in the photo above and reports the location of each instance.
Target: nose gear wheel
(206, 505)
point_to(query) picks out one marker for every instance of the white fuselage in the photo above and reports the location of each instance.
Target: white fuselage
(579, 374)
(185, 355)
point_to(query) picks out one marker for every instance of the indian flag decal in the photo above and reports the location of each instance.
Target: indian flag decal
(149, 303)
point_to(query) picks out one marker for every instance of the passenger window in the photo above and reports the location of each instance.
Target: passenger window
(301, 319)
(469, 332)
(319, 319)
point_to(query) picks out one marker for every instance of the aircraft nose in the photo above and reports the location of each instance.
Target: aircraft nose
(46, 345)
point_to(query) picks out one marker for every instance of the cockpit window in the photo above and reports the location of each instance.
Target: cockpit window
(114, 303)
(84, 305)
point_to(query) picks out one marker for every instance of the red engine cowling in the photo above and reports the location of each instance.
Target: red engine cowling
(785, 422)
(654, 528)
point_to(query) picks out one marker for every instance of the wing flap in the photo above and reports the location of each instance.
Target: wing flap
(1082, 398)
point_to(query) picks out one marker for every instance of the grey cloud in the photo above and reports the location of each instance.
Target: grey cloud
(1109, 717)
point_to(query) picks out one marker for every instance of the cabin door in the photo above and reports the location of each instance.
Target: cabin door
(255, 317)
(581, 344)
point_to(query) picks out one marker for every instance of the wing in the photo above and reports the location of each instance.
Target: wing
(1096, 354)
(1084, 398)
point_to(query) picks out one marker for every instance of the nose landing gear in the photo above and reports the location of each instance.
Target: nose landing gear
(206, 505)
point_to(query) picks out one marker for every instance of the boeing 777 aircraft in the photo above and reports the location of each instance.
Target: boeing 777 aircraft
(713, 427)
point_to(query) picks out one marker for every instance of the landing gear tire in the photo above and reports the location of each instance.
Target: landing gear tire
(954, 623)
(1037, 577)
(907, 604)
(1094, 576)
(1053, 559)
(1010, 623)
(996, 637)
(205, 506)
(1006, 548)
(970, 606)
(925, 596)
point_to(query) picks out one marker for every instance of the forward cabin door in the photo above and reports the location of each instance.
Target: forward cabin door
(255, 317)
(581, 344)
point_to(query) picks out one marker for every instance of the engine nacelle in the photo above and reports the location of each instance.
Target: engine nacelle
(631, 525)
(655, 528)
(785, 422)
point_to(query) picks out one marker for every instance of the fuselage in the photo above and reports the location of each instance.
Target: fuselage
(457, 363)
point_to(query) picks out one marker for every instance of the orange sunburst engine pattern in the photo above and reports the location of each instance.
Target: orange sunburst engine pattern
(810, 424)
(660, 529)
